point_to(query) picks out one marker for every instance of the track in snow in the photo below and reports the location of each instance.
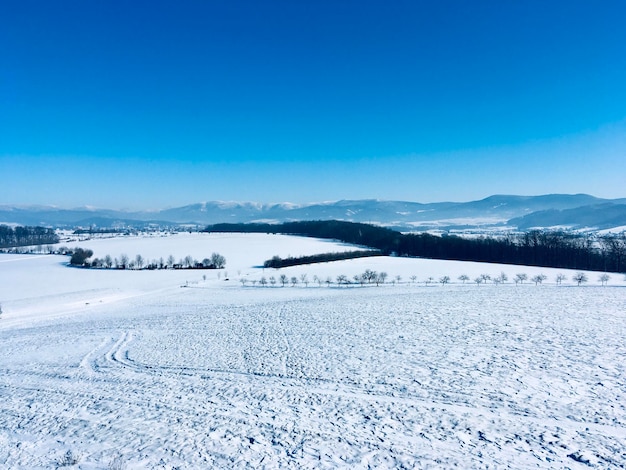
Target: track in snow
(493, 376)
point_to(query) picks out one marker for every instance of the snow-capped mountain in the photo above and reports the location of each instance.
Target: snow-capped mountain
(498, 211)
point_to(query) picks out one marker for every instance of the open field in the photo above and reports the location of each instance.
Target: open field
(165, 369)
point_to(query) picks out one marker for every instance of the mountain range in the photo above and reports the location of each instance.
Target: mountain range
(574, 211)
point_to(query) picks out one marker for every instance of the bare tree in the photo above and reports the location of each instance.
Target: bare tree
(123, 264)
(218, 261)
(342, 279)
(413, 278)
(604, 278)
(370, 276)
(139, 261)
(294, 281)
(539, 278)
(444, 280)
(171, 261)
(560, 277)
(580, 278)
(272, 280)
(108, 262)
(463, 278)
(283, 279)
(304, 279)
(521, 277)
(263, 281)
(478, 280)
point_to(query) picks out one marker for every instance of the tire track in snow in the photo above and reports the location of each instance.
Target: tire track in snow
(89, 363)
(454, 402)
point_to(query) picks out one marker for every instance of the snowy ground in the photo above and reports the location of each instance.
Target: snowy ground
(127, 369)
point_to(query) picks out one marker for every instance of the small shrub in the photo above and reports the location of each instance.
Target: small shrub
(68, 460)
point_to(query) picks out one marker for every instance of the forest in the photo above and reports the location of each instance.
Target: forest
(557, 249)
(24, 236)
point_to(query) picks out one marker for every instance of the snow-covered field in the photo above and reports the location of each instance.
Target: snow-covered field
(165, 369)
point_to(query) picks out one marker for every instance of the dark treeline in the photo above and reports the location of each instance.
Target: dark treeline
(535, 248)
(100, 231)
(24, 236)
(278, 262)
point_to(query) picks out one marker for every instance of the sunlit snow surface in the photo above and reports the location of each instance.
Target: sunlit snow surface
(165, 369)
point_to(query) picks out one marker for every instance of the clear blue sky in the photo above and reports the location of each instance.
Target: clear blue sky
(152, 104)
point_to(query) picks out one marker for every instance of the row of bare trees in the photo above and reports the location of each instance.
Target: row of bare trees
(378, 278)
(368, 277)
(80, 257)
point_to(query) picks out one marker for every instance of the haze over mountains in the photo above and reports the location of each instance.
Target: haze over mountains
(578, 211)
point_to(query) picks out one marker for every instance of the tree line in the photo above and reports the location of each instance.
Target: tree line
(546, 248)
(81, 257)
(24, 236)
(278, 262)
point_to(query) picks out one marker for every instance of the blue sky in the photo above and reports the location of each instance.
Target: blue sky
(152, 104)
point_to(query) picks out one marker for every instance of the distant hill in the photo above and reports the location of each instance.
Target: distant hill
(598, 216)
(498, 211)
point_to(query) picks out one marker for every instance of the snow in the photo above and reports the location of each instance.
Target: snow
(473, 221)
(165, 369)
(611, 231)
